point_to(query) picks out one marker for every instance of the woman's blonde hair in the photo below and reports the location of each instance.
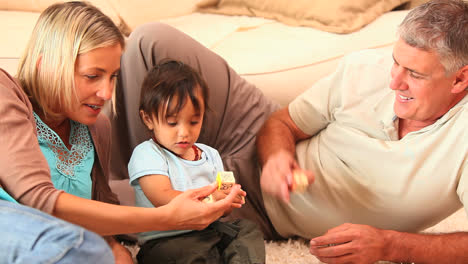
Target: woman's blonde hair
(62, 32)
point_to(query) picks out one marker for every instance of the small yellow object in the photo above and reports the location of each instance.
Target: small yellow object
(225, 180)
(208, 199)
(218, 180)
(300, 181)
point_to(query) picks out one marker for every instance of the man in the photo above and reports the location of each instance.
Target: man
(385, 163)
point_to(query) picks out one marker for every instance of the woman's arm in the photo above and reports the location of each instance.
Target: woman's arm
(186, 211)
(158, 189)
(24, 172)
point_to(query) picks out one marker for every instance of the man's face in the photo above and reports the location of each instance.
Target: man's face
(423, 92)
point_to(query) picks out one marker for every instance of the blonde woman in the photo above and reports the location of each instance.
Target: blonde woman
(55, 143)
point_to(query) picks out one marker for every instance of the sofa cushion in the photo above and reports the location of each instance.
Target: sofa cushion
(279, 59)
(414, 3)
(339, 16)
(40, 5)
(16, 27)
(135, 13)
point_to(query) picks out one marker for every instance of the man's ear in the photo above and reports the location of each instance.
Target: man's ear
(147, 120)
(461, 80)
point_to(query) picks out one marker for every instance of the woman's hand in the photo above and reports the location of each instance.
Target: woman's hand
(121, 254)
(187, 211)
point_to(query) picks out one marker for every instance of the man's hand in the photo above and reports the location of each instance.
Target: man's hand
(350, 243)
(187, 211)
(277, 175)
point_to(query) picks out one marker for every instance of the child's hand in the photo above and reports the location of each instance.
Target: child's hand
(220, 194)
(236, 203)
(187, 211)
(240, 198)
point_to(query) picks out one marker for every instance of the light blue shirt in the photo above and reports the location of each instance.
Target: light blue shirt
(149, 158)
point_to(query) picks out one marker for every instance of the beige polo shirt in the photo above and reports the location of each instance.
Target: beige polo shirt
(363, 173)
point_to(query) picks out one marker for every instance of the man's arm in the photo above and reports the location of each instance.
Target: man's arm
(351, 243)
(428, 248)
(276, 146)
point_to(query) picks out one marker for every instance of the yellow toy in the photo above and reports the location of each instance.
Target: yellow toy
(225, 180)
(208, 199)
(300, 181)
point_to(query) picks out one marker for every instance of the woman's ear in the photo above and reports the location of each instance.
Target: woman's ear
(38, 62)
(461, 80)
(147, 120)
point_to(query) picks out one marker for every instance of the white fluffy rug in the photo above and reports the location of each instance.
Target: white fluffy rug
(297, 251)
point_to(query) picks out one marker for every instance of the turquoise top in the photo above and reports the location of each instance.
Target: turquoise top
(5, 196)
(70, 169)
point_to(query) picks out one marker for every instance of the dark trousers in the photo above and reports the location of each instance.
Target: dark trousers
(238, 241)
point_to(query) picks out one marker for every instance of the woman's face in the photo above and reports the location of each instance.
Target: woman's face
(95, 76)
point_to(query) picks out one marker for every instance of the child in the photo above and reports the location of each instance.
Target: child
(172, 105)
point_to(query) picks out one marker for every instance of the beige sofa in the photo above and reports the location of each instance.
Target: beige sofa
(280, 59)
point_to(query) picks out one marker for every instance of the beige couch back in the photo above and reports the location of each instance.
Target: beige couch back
(126, 13)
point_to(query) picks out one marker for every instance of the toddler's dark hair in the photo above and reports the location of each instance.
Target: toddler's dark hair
(167, 80)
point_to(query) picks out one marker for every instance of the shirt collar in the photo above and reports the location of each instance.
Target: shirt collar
(384, 108)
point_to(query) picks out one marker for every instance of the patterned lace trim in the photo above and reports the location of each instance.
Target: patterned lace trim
(66, 160)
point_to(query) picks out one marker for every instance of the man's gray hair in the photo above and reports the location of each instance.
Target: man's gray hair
(440, 26)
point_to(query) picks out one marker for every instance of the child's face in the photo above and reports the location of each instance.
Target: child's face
(180, 131)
